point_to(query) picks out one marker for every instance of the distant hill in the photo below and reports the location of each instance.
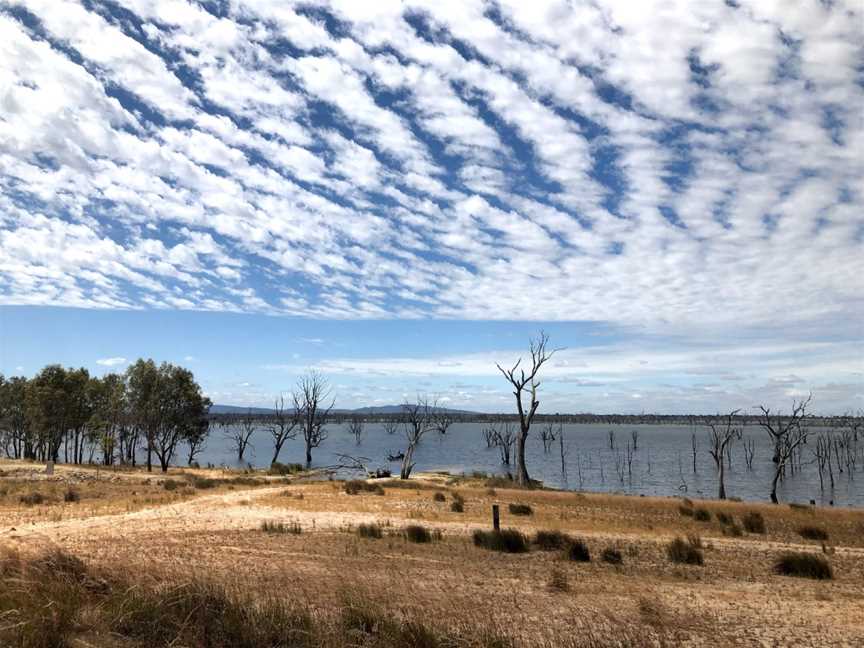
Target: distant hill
(383, 409)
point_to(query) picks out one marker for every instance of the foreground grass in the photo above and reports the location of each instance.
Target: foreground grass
(56, 600)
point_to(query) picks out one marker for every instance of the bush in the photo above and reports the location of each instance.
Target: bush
(457, 506)
(612, 556)
(520, 509)
(356, 486)
(702, 515)
(71, 496)
(32, 499)
(551, 540)
(170, 485)
(372, 531)
(457, 497)
(803, 565)
(269, 526)
(202, 483)
(695, 540)
(277, 468)
(732, 530)
(577, 551)
(725, 518)
(439, 497)
(813, 533)
(753, 522)
(507, 540)
(416, 533)
(795, 506)
(683, 552)
(686, 511)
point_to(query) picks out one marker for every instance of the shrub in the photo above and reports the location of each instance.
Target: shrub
(577, 551)
(803, 565)
(416, 533)
(507, 540)
(356, 486)
(753, 522)
(520, 509)
(457, 506)
(202, 483)
(702, 515)
(170, 485)
(732, 530)
(33, 498)
(372, 531)
(269, 526)
(277, 468)
(685, 510)
(551, 540)
(795, 506)
(812, 533)
(683, 552)
(558, 580)
(612, 556)
(439, 497)
(71, 495)
(725, 518)
(695, 540)
(457, 497)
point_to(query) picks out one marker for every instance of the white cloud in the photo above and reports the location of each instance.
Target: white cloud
(111, 362)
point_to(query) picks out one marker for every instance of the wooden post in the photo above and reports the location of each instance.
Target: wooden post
(496, 518)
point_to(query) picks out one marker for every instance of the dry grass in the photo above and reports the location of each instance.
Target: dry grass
(732, 599)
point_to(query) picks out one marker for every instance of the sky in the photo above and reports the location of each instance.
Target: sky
(400, 194)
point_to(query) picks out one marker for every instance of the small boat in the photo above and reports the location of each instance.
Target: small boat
(399, 456)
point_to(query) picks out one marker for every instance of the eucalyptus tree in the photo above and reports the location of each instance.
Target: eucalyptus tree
(524, 382)
(282, 425)
(418, 419)
(182, 412)
(143, 392)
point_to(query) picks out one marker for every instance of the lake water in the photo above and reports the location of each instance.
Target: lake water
(662, 464)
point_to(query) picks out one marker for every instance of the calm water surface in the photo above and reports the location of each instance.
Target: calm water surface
(662, 463)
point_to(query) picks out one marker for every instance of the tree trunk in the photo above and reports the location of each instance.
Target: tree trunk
(521, 471)
(308, 454)
(774, 499)
(407, 464)
(721, 475)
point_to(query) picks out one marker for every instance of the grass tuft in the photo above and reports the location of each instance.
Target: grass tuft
(683, 552)
(753, 522)
(520, 509)
(271, 526)
(356, 486)
(506, 540)
(577, 551)
(702, 515)
(417, 533)
(372, 531)
(803, 565)
(809, 532)
(612, 555)
(551, 540)
(457, 506)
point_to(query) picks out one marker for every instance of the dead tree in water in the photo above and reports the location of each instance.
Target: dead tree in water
(720, 436)
(391, 424)
(442, 420)
(693, 443)
(634, 434)
(822, 454)
(547, 435)
(611, 439)
(310, 399)
(241, 432)
(787, 433)
(418, 421)
(563, 453)
(503, 438)
(282, 426)
(527, 381)
(749, 451)
(355, 427)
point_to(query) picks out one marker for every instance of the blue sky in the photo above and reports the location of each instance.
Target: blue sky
(400, 194)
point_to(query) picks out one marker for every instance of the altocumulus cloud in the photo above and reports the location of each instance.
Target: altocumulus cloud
(623, 162)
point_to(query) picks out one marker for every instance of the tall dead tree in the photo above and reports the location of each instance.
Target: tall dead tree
(721, 434)
(418, 420)
(526, 381)
(787, 433)
(240, 432)
(282, 426)
(310, 403)
(503, 438)
(355, 428)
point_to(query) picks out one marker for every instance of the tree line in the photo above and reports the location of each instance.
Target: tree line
(67, 414)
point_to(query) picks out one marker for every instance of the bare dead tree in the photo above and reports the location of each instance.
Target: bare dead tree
(749, 452)
(489, 436)
(787, 433)
(503, 438)
(563, 452)
(417, 421)
(720, 435)
(282, 426)
(548, 436)
(822, 455)
(611, 439)
(694, 446)
(355, 427)
(630, 454)
(241, 431)
(527, 381)
(391, 424)
(310, 403)
(634, 434)
(442, 420)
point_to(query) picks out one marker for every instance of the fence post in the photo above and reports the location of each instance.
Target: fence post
(496, 518)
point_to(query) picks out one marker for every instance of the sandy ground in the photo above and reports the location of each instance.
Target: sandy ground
(735, 599)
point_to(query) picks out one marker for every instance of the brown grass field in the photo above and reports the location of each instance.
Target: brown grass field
(132, 534)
